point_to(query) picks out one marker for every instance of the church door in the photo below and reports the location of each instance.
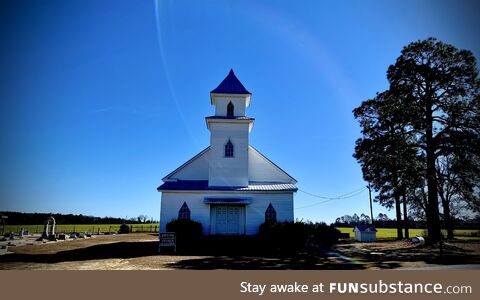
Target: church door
(227, 220)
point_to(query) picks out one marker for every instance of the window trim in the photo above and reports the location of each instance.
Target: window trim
(184, 212)
(225, 149)
(270, 214)
(231, 107)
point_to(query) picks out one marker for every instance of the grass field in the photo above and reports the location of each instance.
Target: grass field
(383, 233)
(68, 228)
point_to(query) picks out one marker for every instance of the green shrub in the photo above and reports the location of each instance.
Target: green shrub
(188, 232)
(124, 228)
(294, 237)
(323, 235)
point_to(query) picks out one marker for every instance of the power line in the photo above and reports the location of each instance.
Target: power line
(345, 196)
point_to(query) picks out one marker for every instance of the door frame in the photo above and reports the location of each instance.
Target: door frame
(213, 219)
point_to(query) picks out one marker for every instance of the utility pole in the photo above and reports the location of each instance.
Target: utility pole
(371, 208)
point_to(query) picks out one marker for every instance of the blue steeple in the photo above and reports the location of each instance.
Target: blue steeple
(230, 85)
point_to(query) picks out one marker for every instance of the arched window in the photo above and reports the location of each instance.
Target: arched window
(229, 149)
(184, 212)
(270, 214)
(230, 109)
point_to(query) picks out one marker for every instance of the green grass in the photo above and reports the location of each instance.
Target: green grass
(67, 228)
(384, 233)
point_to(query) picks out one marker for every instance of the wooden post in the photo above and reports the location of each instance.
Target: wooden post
(371, 208)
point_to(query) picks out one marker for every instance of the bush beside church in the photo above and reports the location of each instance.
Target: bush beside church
(295, 237)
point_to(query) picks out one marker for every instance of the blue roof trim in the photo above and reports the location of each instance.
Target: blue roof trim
(230, 85)
(230, 118)
(202, 185)
(227, 201)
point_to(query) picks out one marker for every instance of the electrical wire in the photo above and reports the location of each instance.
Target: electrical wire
(328, 199)
(347, 195)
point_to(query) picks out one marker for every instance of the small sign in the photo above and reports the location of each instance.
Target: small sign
(168, 239)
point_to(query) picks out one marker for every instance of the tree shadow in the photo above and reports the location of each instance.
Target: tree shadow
(448, 254)
(217, 253)
(263, 263)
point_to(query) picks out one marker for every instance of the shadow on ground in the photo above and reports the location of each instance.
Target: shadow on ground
(217, 253)
(263, 263)
(449, 253)
(245, 254)
(102, 251)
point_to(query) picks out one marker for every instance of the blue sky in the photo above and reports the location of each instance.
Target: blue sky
(101, 99)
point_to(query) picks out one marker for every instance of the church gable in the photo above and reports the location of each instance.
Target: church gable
(194, 169)
(261, 169)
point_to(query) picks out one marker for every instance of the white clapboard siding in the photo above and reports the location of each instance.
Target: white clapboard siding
(262, 170)
(199, 211)
(196, 169)
(228, 171)
(239, 104)
(255, 212)
(231, 170)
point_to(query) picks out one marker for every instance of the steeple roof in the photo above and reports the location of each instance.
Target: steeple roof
(230, 85)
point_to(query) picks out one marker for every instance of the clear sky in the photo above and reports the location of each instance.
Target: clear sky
(101, 99)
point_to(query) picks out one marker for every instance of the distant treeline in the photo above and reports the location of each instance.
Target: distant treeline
(383, 221)
(19, 218)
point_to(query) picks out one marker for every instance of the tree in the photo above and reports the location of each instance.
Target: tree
(385, 155)
(431, 111)
(438, 85)
(142, 218)
(364, 219)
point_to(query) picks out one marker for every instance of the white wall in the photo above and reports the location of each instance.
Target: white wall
(228, 171)
(195, 170)
(199, 211)
(261, 170)
(239, 103)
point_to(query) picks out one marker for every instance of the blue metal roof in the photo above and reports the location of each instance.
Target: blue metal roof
(230, 85)
(365, 228)
(201, 185)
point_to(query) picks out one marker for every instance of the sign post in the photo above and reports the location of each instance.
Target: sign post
(168, 239)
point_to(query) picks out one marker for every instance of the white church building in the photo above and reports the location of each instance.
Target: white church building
(229, 187)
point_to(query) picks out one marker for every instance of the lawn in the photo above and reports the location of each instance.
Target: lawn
(67, 228)
(384, 233)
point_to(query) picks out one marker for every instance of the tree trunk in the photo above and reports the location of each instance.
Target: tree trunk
(405, 217)
(433, 214)
(447, 217)
(399, 217)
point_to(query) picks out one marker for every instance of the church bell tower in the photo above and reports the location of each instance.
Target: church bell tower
(229, 131)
